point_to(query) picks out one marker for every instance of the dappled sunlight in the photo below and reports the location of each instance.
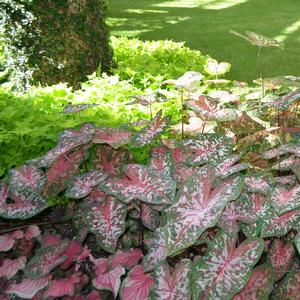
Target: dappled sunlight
(288, 31)
(143, 11)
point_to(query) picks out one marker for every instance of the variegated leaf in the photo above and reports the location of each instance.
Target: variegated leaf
(137, 285)
(70, 108)
(24, 204)
(280, 225)
(209, 108)
(175, 285)
(114, 137)
(281, 150)
(225, 270)
(214, 68)
(153, 130)
(198, 208)
(297, 242)
(229, 166)
(157, 251)
(207, 148)
(127, 259)
(284, 199)
(288, 288)
(162, 161)
(7, 241)
(27, 288)
(3, 193)
(26, 177)
(281, 257)
(10, 267)
(149, 216)
(186, 81)
(286, 180)
(111, 161)
(46, 259)
(72, 252)
(286, 164)
(142, 183)
(32, 232)
(81, 185)
(259, 286)
(251, 230)
(59, 174)
(258, 183)
(284, 102)
(107, 222)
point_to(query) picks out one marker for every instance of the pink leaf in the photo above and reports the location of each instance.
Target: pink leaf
(74, 249)
(49, 239)
(7, 240)
(32, 232)
(10, 267)
(229, 166)
(149, 216)
(137, 285)
(127, 259)
(161, 160)
(28, 287)
(94, 296)
(3, 193)
(258, 183)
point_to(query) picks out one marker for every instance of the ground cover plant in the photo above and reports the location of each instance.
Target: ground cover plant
(213, 213)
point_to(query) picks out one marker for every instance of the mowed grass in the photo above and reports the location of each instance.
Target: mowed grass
(205, 24)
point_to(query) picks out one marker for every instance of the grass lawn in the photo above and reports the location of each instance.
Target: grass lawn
(204, 25)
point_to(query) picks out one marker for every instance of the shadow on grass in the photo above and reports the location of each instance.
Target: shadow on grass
(205, 25)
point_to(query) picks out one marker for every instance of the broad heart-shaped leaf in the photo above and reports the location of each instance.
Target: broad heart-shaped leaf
(229, 166)
(32, 232)
(25, 204)
(59, 174)
(198, 208)
(284, 199)
(251, 230)
(137, 285)
(161, 160)
(114, 137)
(225, 270)
(27, 177)
(81, 185)
(239, 210)
(142, 183)
(7, 241)
(10, 267)
(288, 288)
(281, 150)
(107, 222)
(258, 183)
(157, 251)
(209, 108)
(127, 259)
(281, 257)
(154, 129)
(280, 225)
(286, 180)
(187, 80)
(259, 286)
(213, 68)
(28, 287)
(149, 216)
(174, 285)
(46, 259)
(284, 102)
(111, 161)
(286, 164)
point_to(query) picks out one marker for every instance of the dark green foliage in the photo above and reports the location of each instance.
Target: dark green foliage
(55, 41)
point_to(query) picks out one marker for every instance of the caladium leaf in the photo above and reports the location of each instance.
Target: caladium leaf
(162, 161)
(259, 286)
(284, 199)
(32, 232)
(59, 174)
(157, 251)
(251, 230)
(108, 279)
(49, 239)
(225, 270)
(127, 259)
(28, 287)
(154, 129)
(10, 267)
(281, 150)
(27, 177)
(7, 241)
(286, 164)
(3, 193)
(107, 222)
(284, 102)
(70, 108)
(297, 242)
(81, 185)
(285, 180)
(209, 108)
(186, 81)
(46, 259)
(198, 208)
(213, 68)
(63, 287)
(149, 216)
(288, 288)
(137, 285)
(280, 225)
(114, 137)
(96, 196)
(111, 161)
(72, 252)
(25, 204)
(281, 257)
(258, 183)
(207, 148)
(175, 285)
(229, 166)
(142, 183)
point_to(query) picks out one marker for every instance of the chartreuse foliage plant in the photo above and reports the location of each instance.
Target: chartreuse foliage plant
(197, 220)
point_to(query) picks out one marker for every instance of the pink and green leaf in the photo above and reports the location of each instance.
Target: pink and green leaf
(225, 270)
(149, 216)
(297, 242)
(127, 259)
(141, 183)
(258, 183)
(10, 267)
(7, 241)
(161, 161)
(229, 166)
(107, 222)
